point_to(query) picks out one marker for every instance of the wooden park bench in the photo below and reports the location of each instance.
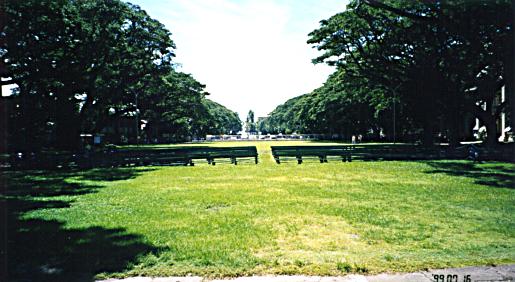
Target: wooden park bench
(232, 153)
(405, 152)
(171, 156)
(320, 152)
(131, 157)
(364, 152)
(395, 152)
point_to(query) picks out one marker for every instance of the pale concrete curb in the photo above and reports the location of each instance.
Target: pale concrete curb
(503, 273)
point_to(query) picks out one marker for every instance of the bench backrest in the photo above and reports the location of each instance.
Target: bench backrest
(186, 153)
(315, 150)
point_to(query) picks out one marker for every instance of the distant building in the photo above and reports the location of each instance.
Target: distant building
(503, 129)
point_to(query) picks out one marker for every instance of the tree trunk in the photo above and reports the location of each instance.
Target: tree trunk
(428, 124)
(491, 130)
(67, 135)
(68, 126)
(26, 133)
(454, 122)
(427, 135)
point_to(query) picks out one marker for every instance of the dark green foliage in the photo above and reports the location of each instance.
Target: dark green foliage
(173, 107)
(439, 62)
(79, 60)
(344, 267)
(82, 66)
(330, 109)
(221, 119)
(281, 120)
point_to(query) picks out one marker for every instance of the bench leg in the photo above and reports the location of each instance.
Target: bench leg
(299, 160)
(256, 159)
(277, 161)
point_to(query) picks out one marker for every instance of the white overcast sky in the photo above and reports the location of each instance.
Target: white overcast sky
(251, 54)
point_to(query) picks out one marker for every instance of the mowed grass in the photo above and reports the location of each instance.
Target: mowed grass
(227, 220)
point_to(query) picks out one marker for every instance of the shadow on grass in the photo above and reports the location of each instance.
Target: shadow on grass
(112, 174)
(45, 250)
(498, 176)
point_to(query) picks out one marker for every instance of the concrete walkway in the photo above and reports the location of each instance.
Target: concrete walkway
(503, 273)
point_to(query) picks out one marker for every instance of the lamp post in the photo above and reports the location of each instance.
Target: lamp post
(137, 117)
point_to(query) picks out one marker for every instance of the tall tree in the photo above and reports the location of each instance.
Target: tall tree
(220, 119)
(77, 60)
(172, 105)
(330, 109)
(426, 54)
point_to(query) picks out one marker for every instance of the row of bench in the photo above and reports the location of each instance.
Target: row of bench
(320, 152)
(368, 152)
(184, 156)
(187, 155)
(138, 157)
(391, 152)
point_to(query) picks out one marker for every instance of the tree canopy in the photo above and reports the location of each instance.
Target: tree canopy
(432, 66)
(82, 65)
(223, 120)
(329, 109)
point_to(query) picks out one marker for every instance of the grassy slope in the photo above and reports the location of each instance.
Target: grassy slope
(313, 218)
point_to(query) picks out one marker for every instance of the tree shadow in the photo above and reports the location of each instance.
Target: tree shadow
(497, 176)
(35, 249)
(113, 174)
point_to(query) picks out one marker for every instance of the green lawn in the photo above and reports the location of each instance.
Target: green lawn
(226, 220)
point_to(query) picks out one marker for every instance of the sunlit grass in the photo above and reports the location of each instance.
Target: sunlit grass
(320, 219)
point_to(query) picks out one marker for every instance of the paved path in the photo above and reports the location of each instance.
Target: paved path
(503, 273)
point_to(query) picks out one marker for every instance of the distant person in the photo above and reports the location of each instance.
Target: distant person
(360, 138)
(353, 139)
(473, 153)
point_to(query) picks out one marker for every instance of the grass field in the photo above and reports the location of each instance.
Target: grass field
(226, 220)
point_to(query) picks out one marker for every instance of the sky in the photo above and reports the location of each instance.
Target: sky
(250, 54)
